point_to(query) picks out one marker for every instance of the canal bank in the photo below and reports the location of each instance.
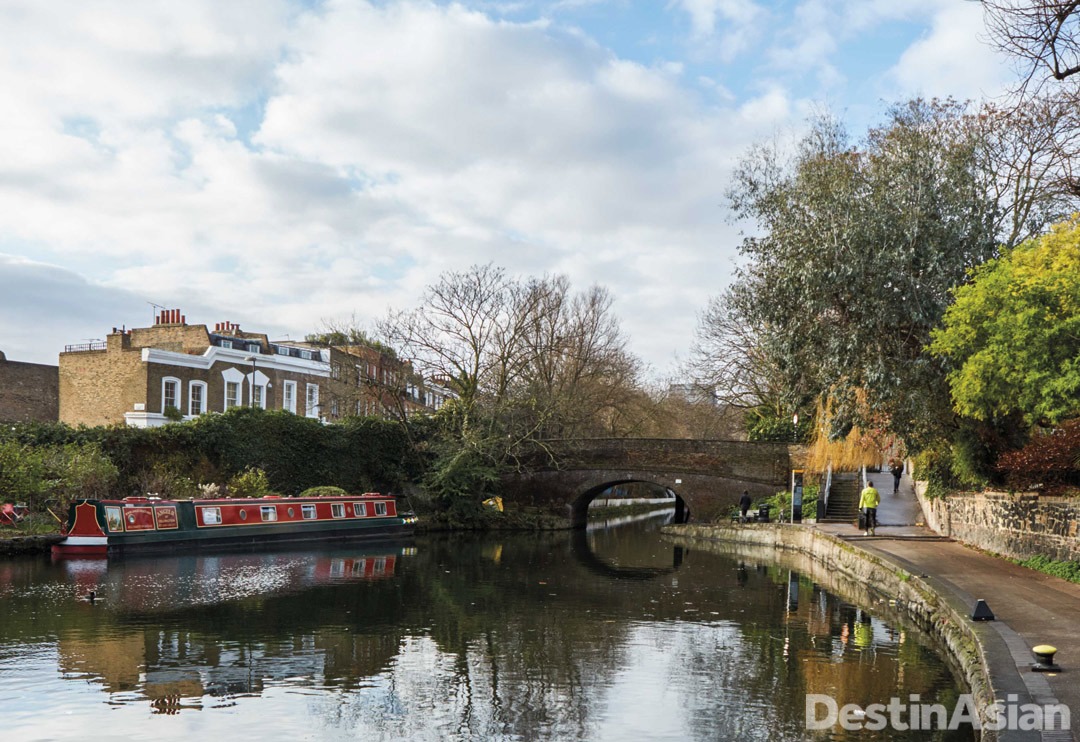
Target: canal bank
(18, 545)
(980, 651)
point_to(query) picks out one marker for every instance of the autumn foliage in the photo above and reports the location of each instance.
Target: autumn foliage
(1051, 458)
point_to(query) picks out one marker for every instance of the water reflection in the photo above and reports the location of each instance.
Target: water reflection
(525, 638)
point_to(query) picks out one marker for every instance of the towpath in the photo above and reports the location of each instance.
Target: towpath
(1030, 607)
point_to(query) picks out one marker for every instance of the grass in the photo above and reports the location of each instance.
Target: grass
(1065, 570)
(37, 525)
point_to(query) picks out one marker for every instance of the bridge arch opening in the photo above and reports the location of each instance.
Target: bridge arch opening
(579, 507)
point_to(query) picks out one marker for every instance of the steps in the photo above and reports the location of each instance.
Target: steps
(843, 500)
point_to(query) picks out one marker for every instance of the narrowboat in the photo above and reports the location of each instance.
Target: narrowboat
(144, 523)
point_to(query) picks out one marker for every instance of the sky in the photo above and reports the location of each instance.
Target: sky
(284, 164)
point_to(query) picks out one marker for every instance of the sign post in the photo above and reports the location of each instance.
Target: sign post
(796, 495)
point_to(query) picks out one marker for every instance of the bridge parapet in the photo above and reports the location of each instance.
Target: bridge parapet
(760, 462)
(708, 476)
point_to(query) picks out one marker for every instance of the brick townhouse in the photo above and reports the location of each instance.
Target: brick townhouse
(137, 374)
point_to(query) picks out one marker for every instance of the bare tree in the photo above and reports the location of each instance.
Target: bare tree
(1044, 36)
(1028, 151)
(537, 359)
(730, 355)
(460, 332)
(1040, 123)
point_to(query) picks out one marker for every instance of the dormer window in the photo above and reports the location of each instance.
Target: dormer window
(254, 348)
(226, 343)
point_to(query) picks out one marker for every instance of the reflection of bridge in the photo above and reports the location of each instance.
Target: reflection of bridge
(706, 476)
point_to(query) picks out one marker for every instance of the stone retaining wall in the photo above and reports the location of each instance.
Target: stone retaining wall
(938, 615)
(29, 544)
(1017, 526)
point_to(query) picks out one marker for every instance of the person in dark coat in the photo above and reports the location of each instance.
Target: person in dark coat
(897, 470)
(744, 504)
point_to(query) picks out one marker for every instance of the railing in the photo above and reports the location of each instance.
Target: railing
(826, 488)
(85, 346)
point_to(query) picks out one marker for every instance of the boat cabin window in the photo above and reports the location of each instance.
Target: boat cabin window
(380, 508)
(337, 509)
(211, 516)
(308, 512)
(359, 509)
(269, 512)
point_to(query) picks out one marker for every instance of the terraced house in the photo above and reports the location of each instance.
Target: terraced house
(146, 376)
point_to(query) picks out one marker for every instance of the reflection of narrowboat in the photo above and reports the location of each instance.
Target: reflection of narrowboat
(100, 526)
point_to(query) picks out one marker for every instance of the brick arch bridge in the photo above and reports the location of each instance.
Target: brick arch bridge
(707, 477)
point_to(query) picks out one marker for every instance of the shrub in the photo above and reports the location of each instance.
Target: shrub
(934, 465)
(324, 491)
(172, 414)
(210, 491)
(66, 472)
(165, 479)
(295, 452)
(249, 483)
(1050, 458)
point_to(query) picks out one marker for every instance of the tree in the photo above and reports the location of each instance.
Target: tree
(466, 329)
(1013, 334)
(529, 360)
(858, 249)
(1028, 149)
(731, 354)
(1044, 35)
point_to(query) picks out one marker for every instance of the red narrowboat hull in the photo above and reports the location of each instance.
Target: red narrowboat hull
(142, 524)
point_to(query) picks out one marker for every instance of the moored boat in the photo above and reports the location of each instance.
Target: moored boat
(141, 523)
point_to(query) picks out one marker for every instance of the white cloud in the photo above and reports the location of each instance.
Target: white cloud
(951, 58)
(389, 142)
(705, 14)
(277, 166)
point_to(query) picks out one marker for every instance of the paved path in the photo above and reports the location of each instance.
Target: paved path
(1031, 608)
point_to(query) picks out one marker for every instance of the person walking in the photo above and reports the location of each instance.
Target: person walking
(744, 504)
(896, 468)
(868, 503)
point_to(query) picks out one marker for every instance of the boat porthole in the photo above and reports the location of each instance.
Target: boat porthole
(291, 513)
(243, 515)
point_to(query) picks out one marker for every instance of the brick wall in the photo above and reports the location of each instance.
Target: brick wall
(179, 338)
(1018, 526)
(97, 387)
(28, 391)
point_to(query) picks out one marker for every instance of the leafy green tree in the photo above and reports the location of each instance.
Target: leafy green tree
(1013, 334)
(855, 254)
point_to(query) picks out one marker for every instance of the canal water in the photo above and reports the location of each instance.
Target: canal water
(610, 634)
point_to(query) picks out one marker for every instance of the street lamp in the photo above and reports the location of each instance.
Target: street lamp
(252, 395)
